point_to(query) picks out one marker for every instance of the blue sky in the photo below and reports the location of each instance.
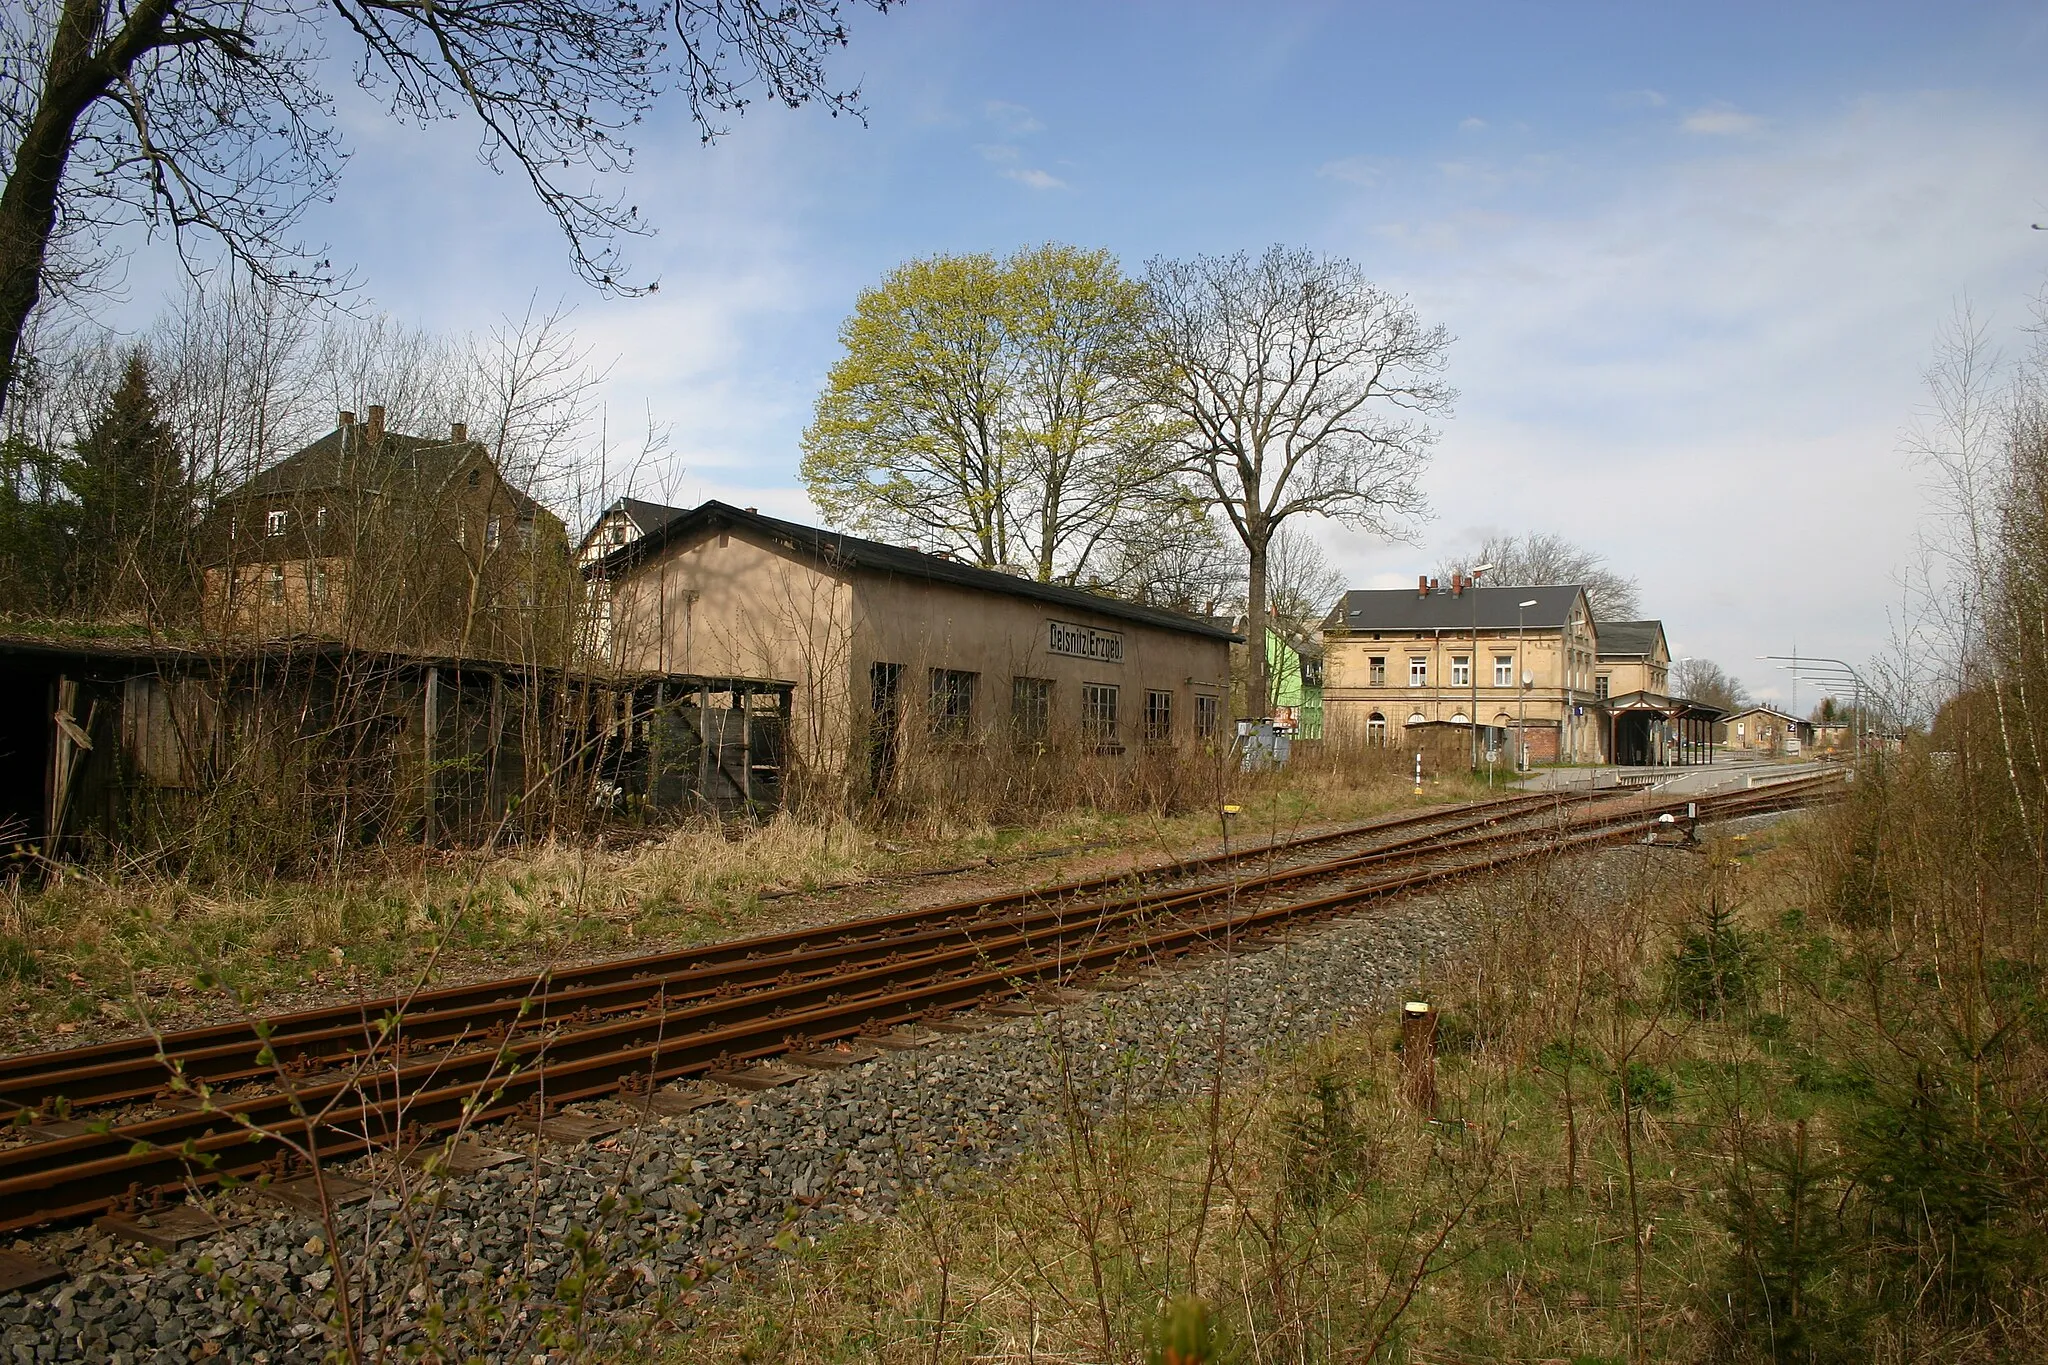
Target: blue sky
(1694, 256)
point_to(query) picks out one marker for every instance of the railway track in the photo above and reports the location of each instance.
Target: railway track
(138, 1117)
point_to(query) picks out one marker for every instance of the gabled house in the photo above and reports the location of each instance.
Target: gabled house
(390, 540)
(1452, 655)
(1633, 658)
(622, 523)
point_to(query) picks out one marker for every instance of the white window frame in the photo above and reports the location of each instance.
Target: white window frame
(1503, 670)
(1418, 670)
(1461, 670)
(275, 523)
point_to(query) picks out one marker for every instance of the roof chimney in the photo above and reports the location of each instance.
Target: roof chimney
(348, 419)
(458, 432)
(754, 511)
(1457, 585)
(376, 423)
(1422, 585)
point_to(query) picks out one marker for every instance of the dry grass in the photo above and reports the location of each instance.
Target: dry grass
(79, 954)
(1616, 1170)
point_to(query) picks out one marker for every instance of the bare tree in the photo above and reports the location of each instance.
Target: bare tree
(1541, 559)
(209, 115)
(1703, 680)
(1300, 387)
(1174, 555)
(1302, 584)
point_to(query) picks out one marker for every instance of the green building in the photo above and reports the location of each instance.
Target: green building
(1294, 663)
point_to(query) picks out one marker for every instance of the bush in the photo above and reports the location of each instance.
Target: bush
(1713, 971)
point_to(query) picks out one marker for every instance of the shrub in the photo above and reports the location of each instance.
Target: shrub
(1713, 971)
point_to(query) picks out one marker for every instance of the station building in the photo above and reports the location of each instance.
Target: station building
(879, 639)
(1528, 667)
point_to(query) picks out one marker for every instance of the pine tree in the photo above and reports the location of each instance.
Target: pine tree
(135, 505)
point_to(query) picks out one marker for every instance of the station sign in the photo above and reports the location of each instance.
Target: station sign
(1084, 642)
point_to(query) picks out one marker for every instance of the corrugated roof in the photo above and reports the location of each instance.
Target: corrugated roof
(345, 458)
(837, 548)
(1495, 609)
(1629, 639)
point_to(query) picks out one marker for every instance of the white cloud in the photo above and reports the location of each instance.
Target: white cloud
(1472, 125)
(1721, 121)
(1701, 369)
(1036, 179)
(1353, 170)
(1014, 119)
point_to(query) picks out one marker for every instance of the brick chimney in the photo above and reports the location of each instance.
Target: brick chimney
(1457, 585)
(376, 423)
(1422, 585)
(458, 432)
(348, 419)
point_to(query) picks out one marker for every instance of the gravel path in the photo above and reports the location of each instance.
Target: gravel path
(554, 1242)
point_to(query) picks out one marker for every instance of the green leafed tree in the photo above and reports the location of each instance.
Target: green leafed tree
(134, 512)
(992, 408)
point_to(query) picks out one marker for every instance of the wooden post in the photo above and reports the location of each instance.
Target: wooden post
(745, 701)
(430, 723)
(703, 744)
(1418, 1055)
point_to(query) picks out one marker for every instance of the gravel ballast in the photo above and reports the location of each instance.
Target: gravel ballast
(599, 1227)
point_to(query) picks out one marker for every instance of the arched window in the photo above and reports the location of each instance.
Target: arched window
(1376, 730)
(1418, 719)
(1459, 718)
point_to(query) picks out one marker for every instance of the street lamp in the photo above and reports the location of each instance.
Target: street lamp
(1472, 660)
(1795, 664)
(1522, 694)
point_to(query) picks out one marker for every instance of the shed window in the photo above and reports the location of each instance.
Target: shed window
(1031, 707)
(1158, 717)
(1098, 712)
(1376, 670)
(1207, 711)
(952, 705)
(275, 523)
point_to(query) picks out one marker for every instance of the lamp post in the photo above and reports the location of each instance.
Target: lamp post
(1795, 664)
(1522, 694)
(1472, 659)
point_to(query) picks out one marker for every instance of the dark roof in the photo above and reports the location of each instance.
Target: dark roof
(87, 650)
(644, 516)
(1629, 638)
(837, 548)
(1679, 708)
(345, 458)
(1495, 609)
